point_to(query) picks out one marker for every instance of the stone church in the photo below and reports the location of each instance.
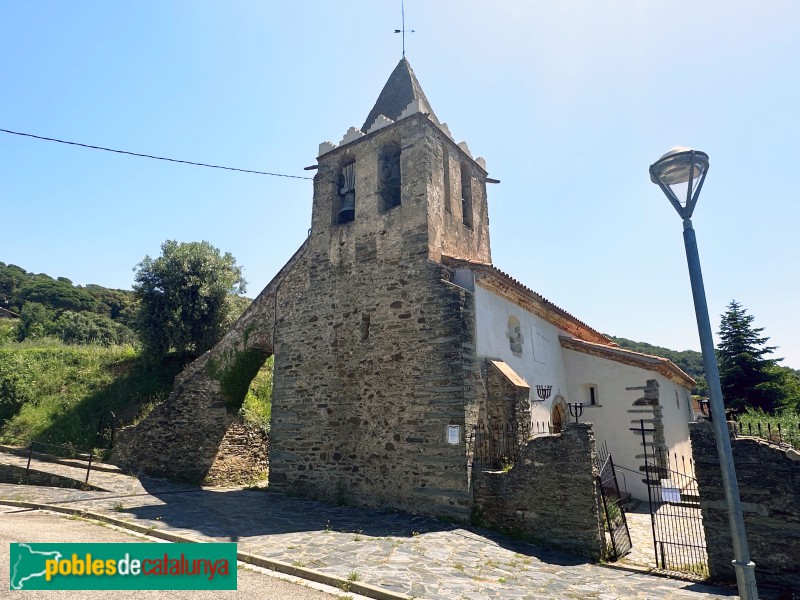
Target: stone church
(396, 339)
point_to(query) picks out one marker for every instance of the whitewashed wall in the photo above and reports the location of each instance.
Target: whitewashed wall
(541, 362)
(612, 422)
(544, 361)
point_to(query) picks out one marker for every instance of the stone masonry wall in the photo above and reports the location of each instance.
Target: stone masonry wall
(242, 458)
(376, 358)
(769, 487)
(550, 495)
(368, 376)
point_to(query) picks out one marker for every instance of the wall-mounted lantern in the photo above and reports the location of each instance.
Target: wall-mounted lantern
(575, 410)
(543, 391)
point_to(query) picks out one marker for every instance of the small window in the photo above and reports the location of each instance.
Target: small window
(347, 194)
(589, 395)
(515, 335)
(466, 195)
(391, 176)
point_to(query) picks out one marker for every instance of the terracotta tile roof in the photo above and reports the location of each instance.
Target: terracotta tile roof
(552, 313)
(664, 366)
(510, 373)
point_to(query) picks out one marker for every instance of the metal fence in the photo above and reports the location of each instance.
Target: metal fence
(613, 505)
(496, 446)
(677, 522)
(772, 432)
(49, 452)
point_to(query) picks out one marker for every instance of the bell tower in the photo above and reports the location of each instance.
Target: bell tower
(400, 185)
(376, 381)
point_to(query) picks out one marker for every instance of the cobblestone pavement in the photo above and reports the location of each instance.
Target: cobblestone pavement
(421, 557)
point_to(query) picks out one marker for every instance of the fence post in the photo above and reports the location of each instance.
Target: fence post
(88, 468)
(28, 466)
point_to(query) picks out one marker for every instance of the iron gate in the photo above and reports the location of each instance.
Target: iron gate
(613, 505)
(677, 523)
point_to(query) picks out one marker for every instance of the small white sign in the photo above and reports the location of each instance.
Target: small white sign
(454, 434)
(669, 491)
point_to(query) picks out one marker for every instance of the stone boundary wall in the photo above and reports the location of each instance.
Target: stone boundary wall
(16, 475)
(550, 495)
(769, 487)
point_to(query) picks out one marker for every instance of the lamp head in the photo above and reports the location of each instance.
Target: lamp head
(680, 174)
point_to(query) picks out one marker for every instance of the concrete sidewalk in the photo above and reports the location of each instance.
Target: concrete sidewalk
(398, 553)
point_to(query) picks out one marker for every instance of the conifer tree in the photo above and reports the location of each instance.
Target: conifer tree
(748, 378)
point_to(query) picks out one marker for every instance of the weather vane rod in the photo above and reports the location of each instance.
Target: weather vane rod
(403, 30)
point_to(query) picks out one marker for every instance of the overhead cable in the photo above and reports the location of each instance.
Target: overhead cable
(175, 160)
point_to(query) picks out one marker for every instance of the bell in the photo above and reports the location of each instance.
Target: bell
(348, 211)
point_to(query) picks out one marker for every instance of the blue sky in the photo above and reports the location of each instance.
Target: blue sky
(569, 102)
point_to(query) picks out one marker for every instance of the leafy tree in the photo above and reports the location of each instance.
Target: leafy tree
(35, 321)
(11, 277)
(185, 297)
(789, 386)
(118, 305)
(54, 294)
(747, 377)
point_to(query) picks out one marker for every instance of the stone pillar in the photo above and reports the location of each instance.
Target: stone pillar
(550, 496)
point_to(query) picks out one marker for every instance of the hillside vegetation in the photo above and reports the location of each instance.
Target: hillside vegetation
(50, 307)
(689, 361)
(73, 357)
(57, 393)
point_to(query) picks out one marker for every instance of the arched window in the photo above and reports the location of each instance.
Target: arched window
(446, 171)
(347, 193)
(391, 179)
(466, 195)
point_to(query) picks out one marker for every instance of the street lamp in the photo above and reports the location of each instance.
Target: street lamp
(680, 174)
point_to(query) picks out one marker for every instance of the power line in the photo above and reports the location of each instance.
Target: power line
(175, 160)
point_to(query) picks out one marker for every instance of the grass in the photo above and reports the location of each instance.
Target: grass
(352, 577)
(257, 404)
(56, 393)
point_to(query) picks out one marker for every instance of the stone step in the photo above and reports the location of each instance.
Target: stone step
(640, 410)
(639, 421)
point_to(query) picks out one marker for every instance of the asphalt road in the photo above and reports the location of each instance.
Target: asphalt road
(22, 525)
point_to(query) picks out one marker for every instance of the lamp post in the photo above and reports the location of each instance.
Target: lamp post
(680, 174)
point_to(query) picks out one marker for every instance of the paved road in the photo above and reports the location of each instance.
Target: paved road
(33, 526)
(420, 557)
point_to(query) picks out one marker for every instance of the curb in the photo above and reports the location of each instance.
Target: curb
(356, 587)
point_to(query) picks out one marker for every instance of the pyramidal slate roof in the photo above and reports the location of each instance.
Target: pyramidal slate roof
(401, 88)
